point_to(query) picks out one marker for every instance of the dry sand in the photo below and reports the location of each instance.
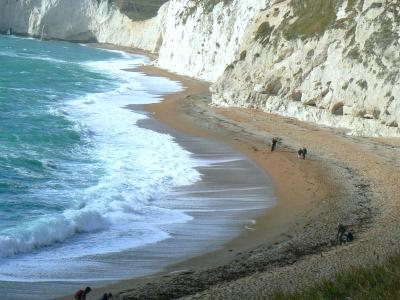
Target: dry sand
(351, 180)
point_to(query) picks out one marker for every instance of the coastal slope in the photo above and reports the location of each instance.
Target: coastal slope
(345, 179)
(334, 63)
(82, 21)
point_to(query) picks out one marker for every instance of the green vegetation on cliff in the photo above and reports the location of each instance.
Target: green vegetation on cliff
(306, 19)
(207, 5)
(139, 9)
(312, 18)
(263, 33)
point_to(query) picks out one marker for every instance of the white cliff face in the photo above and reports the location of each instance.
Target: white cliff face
(335, 62)
(194, 38)
(81, 20)
(203, 37)
(346, 73)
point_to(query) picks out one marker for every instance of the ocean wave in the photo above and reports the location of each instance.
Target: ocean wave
(124, 54)
(116, 218)
(28, 56)
(132, 83)
(127, 170)
(50, 230)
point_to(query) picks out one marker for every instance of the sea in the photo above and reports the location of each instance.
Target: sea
(80, 180)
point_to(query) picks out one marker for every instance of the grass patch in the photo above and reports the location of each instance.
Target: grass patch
(138, 10)
(313, 17)
(382, 39)
(208, 6)
(263, 33)
(373, 282)
(354, 54)
(350, 5)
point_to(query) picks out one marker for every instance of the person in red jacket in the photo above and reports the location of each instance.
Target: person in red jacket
(81, 294)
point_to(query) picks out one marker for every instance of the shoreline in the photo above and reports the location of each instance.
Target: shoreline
(288, 177)
(292, 244)
(239, 161)
(296, 187)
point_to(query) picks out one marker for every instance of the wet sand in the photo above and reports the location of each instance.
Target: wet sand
(298, 185)
(344, 179)
(350, 180)
(232, 193)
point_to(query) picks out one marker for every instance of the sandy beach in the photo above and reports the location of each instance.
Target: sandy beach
(344, 179)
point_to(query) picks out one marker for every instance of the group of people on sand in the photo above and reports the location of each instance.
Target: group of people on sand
(82, 294)
(300, 154)
(344, 235)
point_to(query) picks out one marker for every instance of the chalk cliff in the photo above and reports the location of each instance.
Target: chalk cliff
(203, 37)
(81, 20)
(333, 62)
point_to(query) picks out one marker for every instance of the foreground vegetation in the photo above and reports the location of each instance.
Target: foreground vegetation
(373, 282)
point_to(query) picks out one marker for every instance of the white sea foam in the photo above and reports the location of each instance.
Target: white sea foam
(124, 54)
(135, 167)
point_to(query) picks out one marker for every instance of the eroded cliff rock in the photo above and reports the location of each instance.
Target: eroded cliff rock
(203, 37)
(81, 20)
(333, 62)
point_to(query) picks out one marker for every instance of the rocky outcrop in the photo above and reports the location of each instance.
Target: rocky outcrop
(335, 63)
(203, 37)
(83, 20)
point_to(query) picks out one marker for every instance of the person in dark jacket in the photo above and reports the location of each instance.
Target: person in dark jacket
(341, 230)
(300, 153)
(106, 296)
(274, 142)
(304, 152)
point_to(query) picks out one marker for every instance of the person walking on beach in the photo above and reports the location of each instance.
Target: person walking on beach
(300, 153)
(107, 296)
(81, 294)
(274, 142)
(344, 235)
(304, 152)
(340, 233)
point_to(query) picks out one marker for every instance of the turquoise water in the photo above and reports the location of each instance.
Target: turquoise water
(77, 177)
